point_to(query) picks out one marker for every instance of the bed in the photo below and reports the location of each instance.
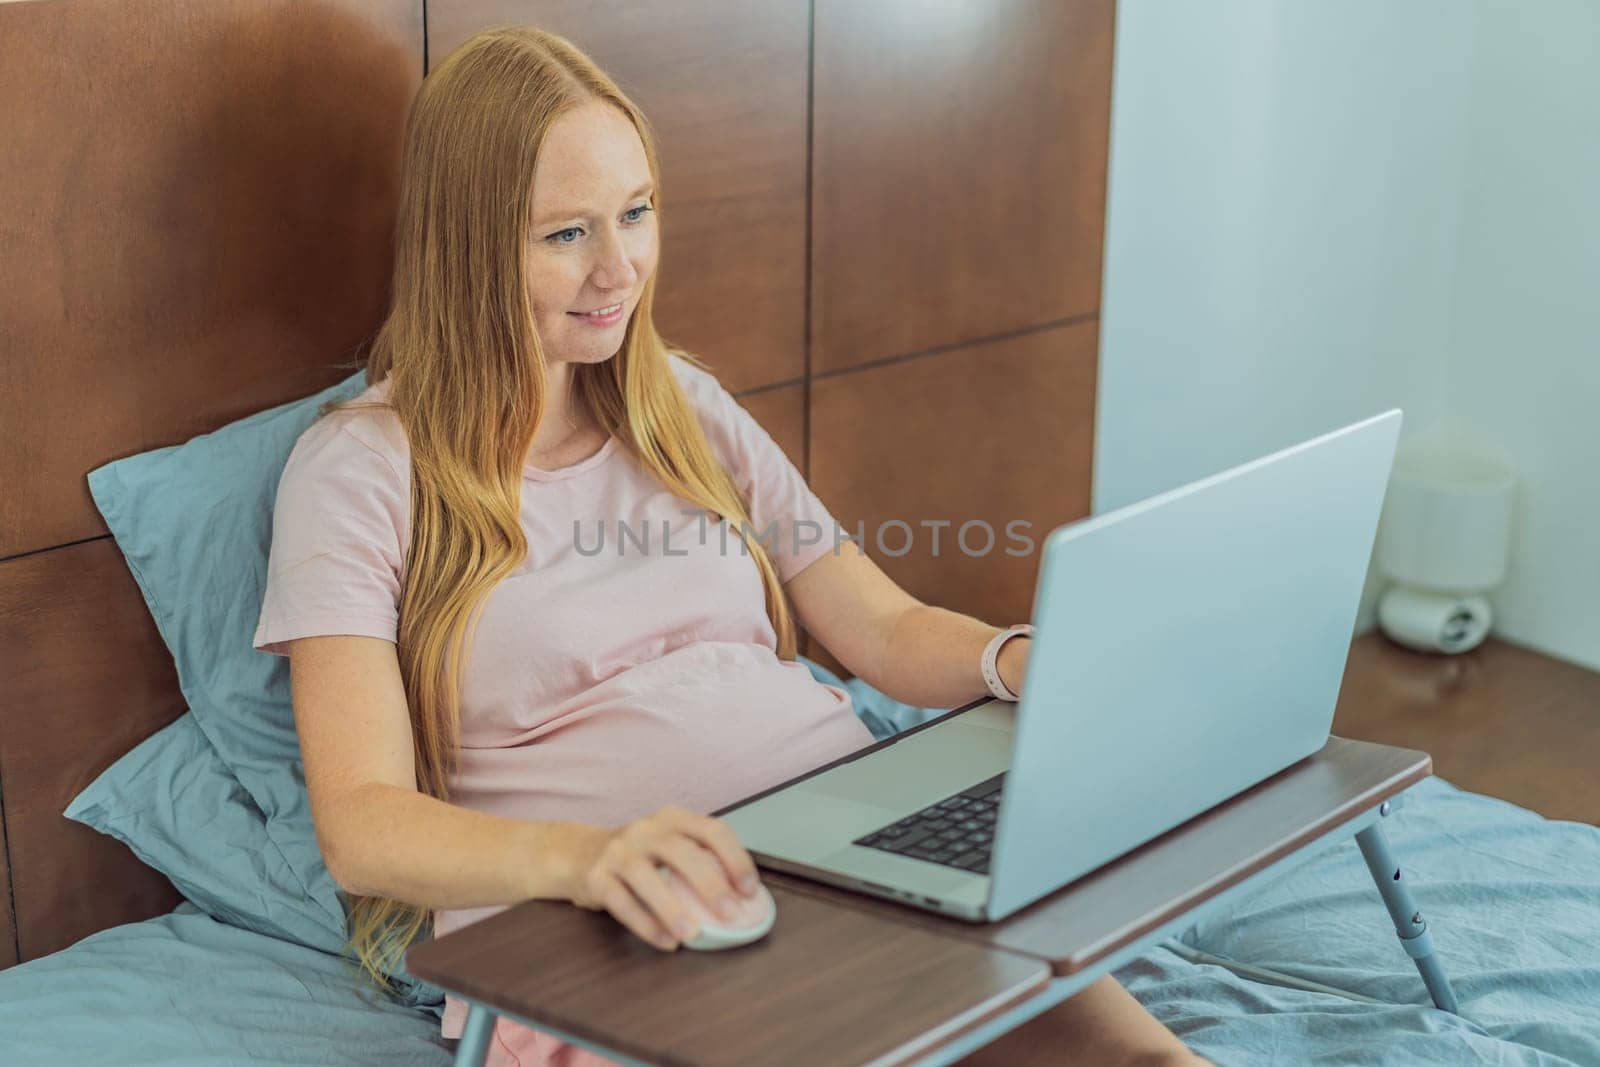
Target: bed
(198, 242)
(1513, 901)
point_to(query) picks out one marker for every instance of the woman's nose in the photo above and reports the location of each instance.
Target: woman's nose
(615, 269)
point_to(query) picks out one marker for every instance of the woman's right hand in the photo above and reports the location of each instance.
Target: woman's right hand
(615, 870)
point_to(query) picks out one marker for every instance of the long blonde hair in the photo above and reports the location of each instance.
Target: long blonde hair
(467, 383)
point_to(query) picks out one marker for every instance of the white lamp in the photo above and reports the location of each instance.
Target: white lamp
(1445, 539)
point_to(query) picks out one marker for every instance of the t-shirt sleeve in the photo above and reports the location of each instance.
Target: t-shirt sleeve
(789, 519)
(335, 562)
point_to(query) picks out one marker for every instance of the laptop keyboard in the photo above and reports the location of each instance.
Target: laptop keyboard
(958, 831)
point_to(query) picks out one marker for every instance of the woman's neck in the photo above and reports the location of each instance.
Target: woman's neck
(563, 422)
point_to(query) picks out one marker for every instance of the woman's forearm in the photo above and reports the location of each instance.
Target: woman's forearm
(932, 659)
(399, 843)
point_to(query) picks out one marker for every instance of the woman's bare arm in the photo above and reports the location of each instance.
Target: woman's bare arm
(919, 654)
(381, 837)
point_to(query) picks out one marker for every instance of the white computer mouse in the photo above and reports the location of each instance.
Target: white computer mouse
(751, 921)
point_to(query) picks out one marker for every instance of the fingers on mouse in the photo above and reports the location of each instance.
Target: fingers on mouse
(753, 917)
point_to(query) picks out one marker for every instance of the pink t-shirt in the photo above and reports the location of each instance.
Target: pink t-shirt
(629, 665)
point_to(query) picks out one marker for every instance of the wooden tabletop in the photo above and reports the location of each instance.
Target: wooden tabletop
(828, 984)
(846, 978)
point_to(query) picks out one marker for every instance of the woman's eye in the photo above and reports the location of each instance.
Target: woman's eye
(632, 215)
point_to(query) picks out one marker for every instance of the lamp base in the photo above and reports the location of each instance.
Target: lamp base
(1434, 622)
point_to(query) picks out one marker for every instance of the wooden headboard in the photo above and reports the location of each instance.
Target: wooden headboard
(903, 201)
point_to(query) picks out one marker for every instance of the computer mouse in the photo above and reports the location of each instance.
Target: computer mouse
(753, 917)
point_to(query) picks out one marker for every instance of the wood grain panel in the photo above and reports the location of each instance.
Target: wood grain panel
(1501, 719)
(958, 171)
(987, 434)
(87, 678)
(724, 87)
(782, 413)
(198, 201)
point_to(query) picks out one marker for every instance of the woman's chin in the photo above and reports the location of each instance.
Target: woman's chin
(589, 352)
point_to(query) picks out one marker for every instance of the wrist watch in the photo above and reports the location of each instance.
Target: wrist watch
(991, 657)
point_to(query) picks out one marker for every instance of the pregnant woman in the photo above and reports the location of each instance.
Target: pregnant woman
(535, 583)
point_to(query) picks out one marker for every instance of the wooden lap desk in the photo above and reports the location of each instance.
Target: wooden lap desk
(845, 978)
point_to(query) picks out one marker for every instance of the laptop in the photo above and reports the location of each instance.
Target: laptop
(1185, 648)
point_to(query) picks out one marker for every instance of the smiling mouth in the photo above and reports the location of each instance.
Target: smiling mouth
(600, 313)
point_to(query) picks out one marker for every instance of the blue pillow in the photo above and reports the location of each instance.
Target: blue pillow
(174, 803)
(194, 522)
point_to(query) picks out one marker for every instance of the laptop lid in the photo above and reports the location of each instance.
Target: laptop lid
(1187, 647)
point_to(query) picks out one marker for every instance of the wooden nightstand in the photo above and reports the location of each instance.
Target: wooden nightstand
(1501, 719)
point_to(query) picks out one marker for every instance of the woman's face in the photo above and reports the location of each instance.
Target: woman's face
(594, 241)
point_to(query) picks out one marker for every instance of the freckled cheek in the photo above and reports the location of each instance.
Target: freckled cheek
(645, 250)
(644, 262)
(552, 296)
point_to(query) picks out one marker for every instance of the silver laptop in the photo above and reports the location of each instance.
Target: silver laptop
(1185, 648)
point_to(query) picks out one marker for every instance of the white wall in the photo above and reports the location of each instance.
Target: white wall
(1524, 356)
(1317, 212)
(1283, 195)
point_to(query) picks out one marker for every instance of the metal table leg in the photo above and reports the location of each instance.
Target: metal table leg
(1409, 925)
(474, 1046)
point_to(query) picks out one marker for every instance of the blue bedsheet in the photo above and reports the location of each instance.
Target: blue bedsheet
(1512, 901)
(183, 990)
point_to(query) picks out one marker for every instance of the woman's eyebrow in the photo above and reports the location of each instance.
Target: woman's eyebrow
(575, 213)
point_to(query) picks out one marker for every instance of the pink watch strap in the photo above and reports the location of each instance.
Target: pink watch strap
(991, 658)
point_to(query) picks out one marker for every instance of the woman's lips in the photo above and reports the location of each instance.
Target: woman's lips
(610, 318)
